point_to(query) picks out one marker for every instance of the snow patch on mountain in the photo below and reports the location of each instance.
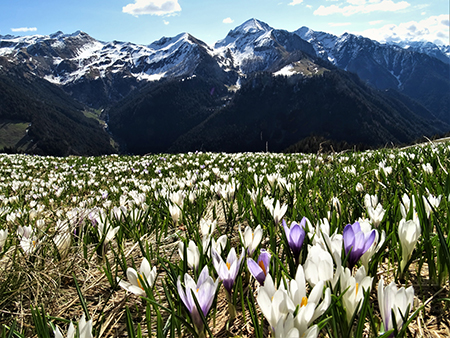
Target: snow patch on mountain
(288, 70)
(76, 56)
(65, 59)
(88, 50)
(150, 77)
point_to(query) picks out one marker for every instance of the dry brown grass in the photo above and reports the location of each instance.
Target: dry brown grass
(49, 282)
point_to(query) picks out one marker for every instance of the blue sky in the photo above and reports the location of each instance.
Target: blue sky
(144, 21)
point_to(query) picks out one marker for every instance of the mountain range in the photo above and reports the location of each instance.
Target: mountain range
(258, 88)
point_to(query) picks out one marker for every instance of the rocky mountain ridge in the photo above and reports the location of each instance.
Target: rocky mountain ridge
(113, 69)
(159, 97)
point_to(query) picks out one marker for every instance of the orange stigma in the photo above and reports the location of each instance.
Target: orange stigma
(304, 301)
(262, 266)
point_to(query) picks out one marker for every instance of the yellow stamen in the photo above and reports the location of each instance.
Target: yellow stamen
(253, 236)
(304, 301)
(139, 282)
(356, 289)
(261, 265)
(228, 266)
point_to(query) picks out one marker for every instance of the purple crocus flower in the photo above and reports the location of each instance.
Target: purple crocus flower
(228, 270)
(260, 269)
(356, 240)
(204, 290)
(295, 236)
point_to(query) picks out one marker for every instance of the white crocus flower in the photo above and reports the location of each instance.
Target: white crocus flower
(226, 191)
(272, 179)
(193, 254)
(376, 245)
(297, 293)
(431, 202)
(62, 238)
(254, 194)
(70, 332)
(409, 233)
(374, 209)
(405, 205)
(274, 304)
(177, 198)
(3, 237)
(370, 201)
(386, 169)
(286, 329)
(134, 284)
(396, 301)
(218, 245)
(336, 206)
(175, 212)
(28, 239)
(207, 227)
(106, 231)
(321, 236)
(277, 211)
(136, 215)
(119, 212)
(251, 238)
(427, 168)
(376, 214)
(318, 265)
(355, 286)
(84, 328)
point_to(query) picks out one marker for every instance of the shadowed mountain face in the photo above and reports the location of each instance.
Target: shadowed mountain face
(257, 87)
(57, 125)
(278, 112)
(151, 120)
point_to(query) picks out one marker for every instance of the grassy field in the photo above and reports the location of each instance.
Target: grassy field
(12, 132)
(352, 244)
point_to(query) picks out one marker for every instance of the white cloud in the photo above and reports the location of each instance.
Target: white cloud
(152, 7)
(434, 29)
(339, 24)
(24, 29)
(356, 2)
(295, 2)
(227, 20)
(362, 7)
(166, 22)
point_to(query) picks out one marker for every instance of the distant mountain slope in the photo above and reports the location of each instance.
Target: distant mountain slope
(279, 112)
(98, 73)
(439, 52)
(411, 71)
(151, 119)
(57, 123)
(254, 46)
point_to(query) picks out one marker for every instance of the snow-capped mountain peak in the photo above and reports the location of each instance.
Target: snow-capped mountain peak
(255, 46)
(252, 26)
(248, 31)
(168, 42)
